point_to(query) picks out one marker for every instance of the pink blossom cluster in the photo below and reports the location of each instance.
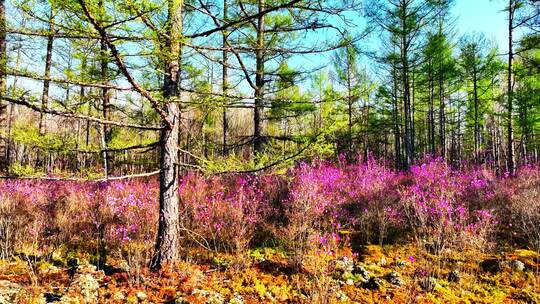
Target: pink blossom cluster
(313, 204)
(445, 207)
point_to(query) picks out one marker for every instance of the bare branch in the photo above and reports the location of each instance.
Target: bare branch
(242, 20)
(23, 102)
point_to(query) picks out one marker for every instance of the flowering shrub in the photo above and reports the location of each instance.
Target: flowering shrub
(221, 212)
(326, 198)
(372, 189)
(309, 210)
(24, 216)
(51, 213)
(525, 206)
(435, 206)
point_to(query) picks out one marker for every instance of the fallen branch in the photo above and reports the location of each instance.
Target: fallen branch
(76, 179)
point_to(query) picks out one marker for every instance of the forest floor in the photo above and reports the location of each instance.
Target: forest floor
(389, 274)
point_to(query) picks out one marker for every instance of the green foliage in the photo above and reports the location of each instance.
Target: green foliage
(17, 169)
(46, 142)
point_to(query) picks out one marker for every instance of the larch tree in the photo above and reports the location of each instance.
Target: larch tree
(478, 62)
(404, 21)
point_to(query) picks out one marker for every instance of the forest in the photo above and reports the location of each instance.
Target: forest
(269, 151)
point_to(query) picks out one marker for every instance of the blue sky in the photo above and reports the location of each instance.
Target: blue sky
(483, 16)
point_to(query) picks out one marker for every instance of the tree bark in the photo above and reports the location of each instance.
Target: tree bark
(349, 107)
(259, 81)
(406, 101)
(3, 58)
(168, 238)
(431, 110)
(3, 65)
(395, 113)
(225, 83)
(43, 120)
(510, 141)
(105, 100)
(476, 123)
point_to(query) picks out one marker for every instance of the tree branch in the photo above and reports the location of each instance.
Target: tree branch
(123, 68)
(21, 101)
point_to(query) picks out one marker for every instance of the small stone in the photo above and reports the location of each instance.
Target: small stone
(141, 295)
(373, 283)
(394, 278)
(401, 263)
(210, 296)
(516, 265)
(428, 284)
(345, 264)
(454, 276)
(9, 291)
(236, 299)
(85, 284)
(362, 272)
(268, 295)
(118, 296)
(181, 300)
(342, 296)
(124, 266)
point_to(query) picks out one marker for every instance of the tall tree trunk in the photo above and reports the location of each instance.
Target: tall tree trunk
(105, 100)
(411, 101)
(431, 111)
(510, 153)
(106, 130)
(3, 86)
(442, 118)
(168, 238)
(395, 113)
(409, 149)
(407, 109)
(349, 109)
(225, 82)
(43, 119)
(259, 81)
(366, 131)
(524, 133)
(81, 101)
(476, 123)
(441, 75)
(10, 145)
